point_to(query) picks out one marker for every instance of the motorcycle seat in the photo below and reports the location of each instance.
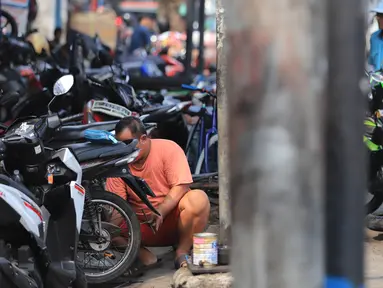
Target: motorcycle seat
(92, 151)
(195, 110)
(152, 109)
(74, 133)
(19, 186)
(159, 115)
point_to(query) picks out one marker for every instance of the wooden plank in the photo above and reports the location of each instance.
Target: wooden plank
(100, 22)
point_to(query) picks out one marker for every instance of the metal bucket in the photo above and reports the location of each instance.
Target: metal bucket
(205, 249)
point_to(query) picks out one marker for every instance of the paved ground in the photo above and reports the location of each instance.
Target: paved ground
(162, 278)
(374, 259)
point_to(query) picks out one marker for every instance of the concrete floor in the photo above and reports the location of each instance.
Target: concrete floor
(374, 259)
(162, 277)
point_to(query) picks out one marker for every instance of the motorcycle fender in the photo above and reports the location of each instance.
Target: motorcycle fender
(132, 183)
(138, 186)
(30, 213)
(78, 195)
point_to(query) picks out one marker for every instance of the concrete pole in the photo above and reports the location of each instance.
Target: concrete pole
(223, 129)
(346, 176)
(275, 78)
(201, 30)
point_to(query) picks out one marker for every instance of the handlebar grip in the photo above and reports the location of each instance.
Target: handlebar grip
(72, 118)
(189, 87)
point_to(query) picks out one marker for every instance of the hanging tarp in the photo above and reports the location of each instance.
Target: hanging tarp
(101, 22)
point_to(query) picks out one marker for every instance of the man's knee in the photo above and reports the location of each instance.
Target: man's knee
(196, 202)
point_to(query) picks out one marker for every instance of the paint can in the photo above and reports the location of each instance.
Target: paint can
(205, 249)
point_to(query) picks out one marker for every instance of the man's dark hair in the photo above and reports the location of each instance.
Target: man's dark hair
(134, 124)
(57, 30)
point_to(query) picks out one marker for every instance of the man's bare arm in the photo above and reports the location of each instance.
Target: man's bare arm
(172, 199)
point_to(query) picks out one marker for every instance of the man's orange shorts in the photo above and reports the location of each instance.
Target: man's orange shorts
(167, 235)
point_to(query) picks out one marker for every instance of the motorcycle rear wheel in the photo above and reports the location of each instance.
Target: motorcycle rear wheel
(100, 196)
(373, 205)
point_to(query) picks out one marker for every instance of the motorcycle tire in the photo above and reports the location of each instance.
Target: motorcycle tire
(135, 241)
(80, 281)
(374, 222)
(11, 20)
(374, 204)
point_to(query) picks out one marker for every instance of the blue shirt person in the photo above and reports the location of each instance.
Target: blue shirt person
(142, 33)
(376, 41)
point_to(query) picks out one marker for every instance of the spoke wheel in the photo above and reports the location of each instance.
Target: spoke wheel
(109, 254)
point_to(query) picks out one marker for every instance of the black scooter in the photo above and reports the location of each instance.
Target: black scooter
(89, 160)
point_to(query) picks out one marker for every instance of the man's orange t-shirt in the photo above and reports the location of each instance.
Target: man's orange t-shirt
(165, 167)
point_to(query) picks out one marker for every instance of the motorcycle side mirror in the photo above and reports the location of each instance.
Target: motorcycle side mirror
(63, 85)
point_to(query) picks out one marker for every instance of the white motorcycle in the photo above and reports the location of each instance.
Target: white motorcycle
(38, 237)
(38, 245)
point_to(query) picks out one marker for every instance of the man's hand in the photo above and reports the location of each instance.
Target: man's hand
(170, 202)
(156, 221)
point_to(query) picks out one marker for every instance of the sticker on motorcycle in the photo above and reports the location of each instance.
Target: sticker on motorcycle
(80, 189)
(38, 149)
(34, 209)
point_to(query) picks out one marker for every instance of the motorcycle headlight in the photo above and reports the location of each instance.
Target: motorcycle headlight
(129, 159)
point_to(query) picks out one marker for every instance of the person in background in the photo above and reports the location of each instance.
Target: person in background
(56, 38)
(375, 59)
(142, 33)
(183, 211)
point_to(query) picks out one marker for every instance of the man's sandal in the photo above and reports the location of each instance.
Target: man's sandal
(181, 261)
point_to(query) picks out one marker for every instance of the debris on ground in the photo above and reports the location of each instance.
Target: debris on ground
(183, 278)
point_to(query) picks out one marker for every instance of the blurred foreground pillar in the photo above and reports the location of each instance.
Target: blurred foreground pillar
(223, 130)
(346, 168)
(275, 81)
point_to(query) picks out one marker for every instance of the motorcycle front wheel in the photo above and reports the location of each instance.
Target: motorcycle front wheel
(108, 255)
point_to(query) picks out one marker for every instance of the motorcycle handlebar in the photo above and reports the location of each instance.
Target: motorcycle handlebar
(72, 118)
(189, 87)
(194, 88)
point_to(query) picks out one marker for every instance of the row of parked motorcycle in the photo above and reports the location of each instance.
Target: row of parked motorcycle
(56, 150)
(373, 140)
